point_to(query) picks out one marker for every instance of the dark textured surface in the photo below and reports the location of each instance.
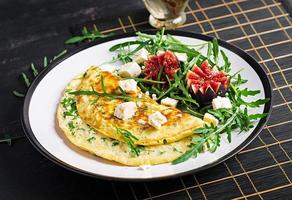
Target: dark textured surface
(30, 30)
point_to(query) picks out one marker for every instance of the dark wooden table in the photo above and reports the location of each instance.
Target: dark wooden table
(30, 30)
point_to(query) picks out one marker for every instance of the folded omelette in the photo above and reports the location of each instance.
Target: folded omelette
(90, 139)
(98, 112)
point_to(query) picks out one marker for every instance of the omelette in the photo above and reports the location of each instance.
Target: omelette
(98, 112)
(90, 139)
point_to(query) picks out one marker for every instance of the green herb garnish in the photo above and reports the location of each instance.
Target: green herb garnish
(34, 70)
(205, 134)
(129, 139)
(91, 139)
(112, 96)
(26, 80)
(18, 94)
(71, 127)
(115, 143)
(69, 104)
(87, 35)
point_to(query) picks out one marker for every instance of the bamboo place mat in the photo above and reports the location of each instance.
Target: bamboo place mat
(263, 170)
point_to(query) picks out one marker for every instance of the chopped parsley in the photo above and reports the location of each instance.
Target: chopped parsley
(115, 143)
(91, 139)
(69, 104)
(71, 127)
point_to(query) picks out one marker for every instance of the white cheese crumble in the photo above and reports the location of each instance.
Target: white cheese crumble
(154, 97)
(210, 119)
(108, 67)
(181, 56)
(140, 56)
(128, 85)
(169, 102)
(141, 121)
(221, 102)
(130, 70)
(147, 93)
(157, 119)
(125, 110)
(139, 95)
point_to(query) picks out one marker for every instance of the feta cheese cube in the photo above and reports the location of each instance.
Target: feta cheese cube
(154, 97)
(108, 67)
(141, 121)
(157, 119)
(210, 119)
(147, 93)
(125, 110)
(140, 56)
(169, 102)
(181, 56)
(128, 85)
(221, 102)
(130, 70)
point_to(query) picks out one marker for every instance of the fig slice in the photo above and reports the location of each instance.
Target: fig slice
(207, 83)
(165, 61)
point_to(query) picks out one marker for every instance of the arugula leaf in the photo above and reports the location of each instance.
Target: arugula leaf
(191, 64)
(215, 50)
(197, 148)
(34, 70)
(226, 66)
(257, 116)
(228, 131)
(201, 130)
(209, 51)
(112, 96)
(238, 81)
(256, 103)
(125, 44)
(59, 54)
(138, 80)
(18, 94)
(102, 85)
(26, 80)
(45, 62)
(87, 35)
(192, 112)
(245, 92)
(129, 139)
(188, 99)
(75, 39)
(84, 30)
(208, 134)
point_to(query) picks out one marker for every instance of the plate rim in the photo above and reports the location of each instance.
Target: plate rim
(24, 117)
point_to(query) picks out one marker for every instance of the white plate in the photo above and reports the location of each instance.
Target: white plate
(39, 113)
